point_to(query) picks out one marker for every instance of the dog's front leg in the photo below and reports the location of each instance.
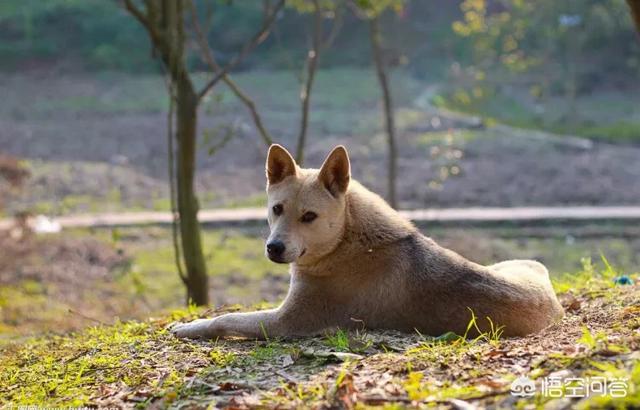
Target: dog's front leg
(254, 325)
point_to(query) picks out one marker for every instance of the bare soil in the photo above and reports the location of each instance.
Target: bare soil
(83, 138)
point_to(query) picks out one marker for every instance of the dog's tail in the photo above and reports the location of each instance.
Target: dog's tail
(529, 272)
(521, 264)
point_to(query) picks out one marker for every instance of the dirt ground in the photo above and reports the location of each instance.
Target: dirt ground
(389, 367)
(58, 284)
(93, 144)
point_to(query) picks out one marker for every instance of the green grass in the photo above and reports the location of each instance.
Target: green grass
(336, 92)
(28, 301)
(229, 255)
(345, 101)
(347, 341)
(616, 370)
(560, 249)
(234, 253)
(64, 370)
(251, 201)
(338, 340)
(601, 116)
(421, 391)
(589, 278)
(488, 104)
(618, 131)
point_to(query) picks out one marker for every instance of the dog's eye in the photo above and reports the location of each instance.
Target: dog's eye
(308, 217)
(277, 209)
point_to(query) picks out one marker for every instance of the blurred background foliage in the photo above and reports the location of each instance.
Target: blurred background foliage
(496, 37)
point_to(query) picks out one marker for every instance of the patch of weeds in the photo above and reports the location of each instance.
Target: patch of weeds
(589, 278)
(267, 351)
(221, 358)
(419, 390)
(440, 349)
(449, 347)
(184, 314)
(491, 336)
(293, 395)
(601, 343)
(620, 131)
(338, 341)
(344, 341)
(591, 341)
(251, 201)
(25, 308)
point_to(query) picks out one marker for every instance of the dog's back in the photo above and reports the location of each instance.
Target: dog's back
(386, 274)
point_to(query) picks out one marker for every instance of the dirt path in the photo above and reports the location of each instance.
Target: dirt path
(225, 217)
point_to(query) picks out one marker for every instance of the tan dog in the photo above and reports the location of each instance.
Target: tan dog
(355, 262)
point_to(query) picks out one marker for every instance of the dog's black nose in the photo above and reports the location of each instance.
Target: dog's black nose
(275, 248)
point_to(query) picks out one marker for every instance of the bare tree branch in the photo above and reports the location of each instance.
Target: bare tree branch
(172, 186)
(175, 217)
(378, 59)
(207, 55)
(356, 10)
(258, 38)
(338, 22)
(156, 38)
(135, 12)
(305, 94)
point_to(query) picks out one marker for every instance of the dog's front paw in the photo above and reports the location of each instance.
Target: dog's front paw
(198, 329)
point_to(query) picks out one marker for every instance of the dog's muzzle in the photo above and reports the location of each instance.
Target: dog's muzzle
(275, 251)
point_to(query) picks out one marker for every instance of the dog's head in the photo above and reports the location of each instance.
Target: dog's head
(306, 206)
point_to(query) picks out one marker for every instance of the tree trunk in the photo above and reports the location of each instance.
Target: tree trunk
(383, 79)
(164, 22)
(196, 269)
(634, 5)
(187, 100)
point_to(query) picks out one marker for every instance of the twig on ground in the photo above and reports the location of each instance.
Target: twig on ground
(87, 317)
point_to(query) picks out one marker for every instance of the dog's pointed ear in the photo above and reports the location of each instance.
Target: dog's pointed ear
(335, 173)
(280, 164)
